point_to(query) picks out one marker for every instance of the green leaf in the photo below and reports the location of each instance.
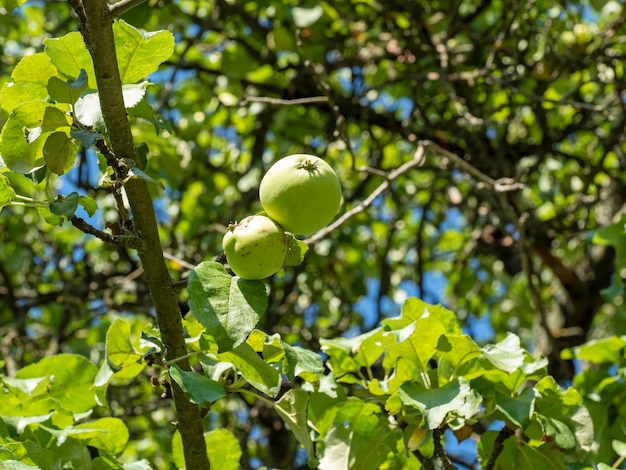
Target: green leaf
(108, 434)
(144, 110)
(88, 204)
(65, 206)
(67, 91)
(25, 132)
(71, 377)
(136, 173)
(59, 152)
(89, 113)
(359, 437)
(121, 355)
(305, 17)
(518, 409)
(198, 388)
(223, 448)
(7, 193)
(86, 137)
(296, 250)
(619, 447)
(605, 350)
(506, 355)
(70, 56)
(521, 456)
(42, 457)
(49, 217)
(436, 404)
(255, 370)
(292, 408)
(228, 307)
(29, 81)
(140, 53)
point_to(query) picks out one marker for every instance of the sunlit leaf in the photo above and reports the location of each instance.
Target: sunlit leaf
(71, 376)
(70, 56)
(7, 193)
(89, 113)
(437, 403)
(140, 53)
(29, 81)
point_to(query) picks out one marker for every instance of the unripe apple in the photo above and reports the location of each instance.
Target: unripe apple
(255, 247)
(301, 192)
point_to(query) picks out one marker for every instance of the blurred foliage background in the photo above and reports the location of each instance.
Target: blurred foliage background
(531, 92)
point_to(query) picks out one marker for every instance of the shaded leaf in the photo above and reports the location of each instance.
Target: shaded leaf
(228, 307)
(67, 92)
(65, 206)
(198, 388)
(59, 152)
(255, 370)
(292, 408)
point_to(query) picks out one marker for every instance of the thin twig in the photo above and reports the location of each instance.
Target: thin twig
(283, 102)
(499, 185)
(119, 8)
(440, 452)
(129, 241)
(415, 161)
(498, 447)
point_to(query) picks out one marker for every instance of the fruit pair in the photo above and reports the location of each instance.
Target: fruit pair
(300, 194)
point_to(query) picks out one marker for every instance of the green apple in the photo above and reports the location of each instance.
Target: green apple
(301, 192)
(255, 247)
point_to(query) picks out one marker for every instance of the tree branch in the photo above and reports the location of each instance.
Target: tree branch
(119, 8)
(97, 32)
(129, 241)
(418, 156)
(498, 447)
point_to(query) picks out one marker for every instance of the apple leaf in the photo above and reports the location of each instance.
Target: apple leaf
(69, 55)
(140, 53)
(65, 206)
(436, 404)
(255, 370)
(59, 152)
(67, 92)
(7, 193)
(296, 250)
(292, 408)
(121, 355)
(29, 81)
(88, 111)
(228, 307)
(25, 133)
(198, 388)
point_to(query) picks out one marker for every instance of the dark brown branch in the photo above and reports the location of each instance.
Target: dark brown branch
(129, 241)
(498, 447)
